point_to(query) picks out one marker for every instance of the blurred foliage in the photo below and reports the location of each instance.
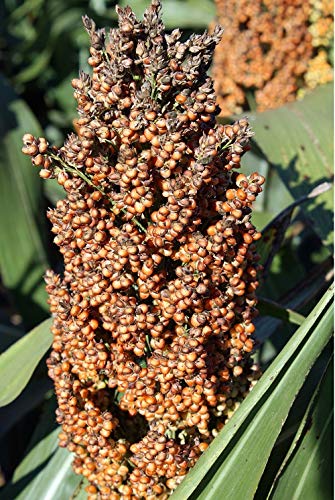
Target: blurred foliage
(22, 263)
(42, 47)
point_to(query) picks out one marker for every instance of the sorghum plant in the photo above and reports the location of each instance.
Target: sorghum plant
(153, 313)
(277, 48)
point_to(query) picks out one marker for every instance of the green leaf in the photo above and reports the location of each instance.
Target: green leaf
(31, 465)
(297, 140)
(234, 463)
(274, 232)
(61, 25)
(26, 8)
(18, 363)
(31, 397)
(271, 308)
(45, 472)
(38, 455)
(62, 95)
(308, 471)
(39, 62)
(275, 197)
(53, 191)
(56, 481)
(80, 493)
(298, 298)
(288, 437)
(22, 256)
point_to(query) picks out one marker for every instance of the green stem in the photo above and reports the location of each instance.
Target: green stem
(222, 148)
(80, 174)
(147, 339)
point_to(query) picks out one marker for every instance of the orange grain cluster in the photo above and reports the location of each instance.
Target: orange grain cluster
(267, 52)
(321, 27)
(153, 315)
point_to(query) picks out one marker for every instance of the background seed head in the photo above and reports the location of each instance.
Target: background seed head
(277, 50)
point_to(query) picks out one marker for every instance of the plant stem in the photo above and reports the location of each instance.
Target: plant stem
(74, 170)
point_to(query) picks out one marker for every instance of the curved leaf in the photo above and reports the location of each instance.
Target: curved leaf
(31, 465)
(297, 418)
(56, 481)
(305, 293)
(274, 232)
(20, 360)
(31, 397)
(45, 473)
(308, 473)
(298, 140)
(271, 308)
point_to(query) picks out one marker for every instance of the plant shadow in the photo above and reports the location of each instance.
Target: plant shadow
(317, 213)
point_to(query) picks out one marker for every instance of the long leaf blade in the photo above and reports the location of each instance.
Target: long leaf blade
(45, 473)
(246, 462)
(19, 361)
(22, 256)
(56, 481)
(271, 308)
(308, 473)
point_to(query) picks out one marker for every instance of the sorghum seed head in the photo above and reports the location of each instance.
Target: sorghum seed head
(153, 313)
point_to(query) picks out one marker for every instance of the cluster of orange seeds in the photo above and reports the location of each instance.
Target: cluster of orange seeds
(271, 50)
(321, 27)
(153, 316)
